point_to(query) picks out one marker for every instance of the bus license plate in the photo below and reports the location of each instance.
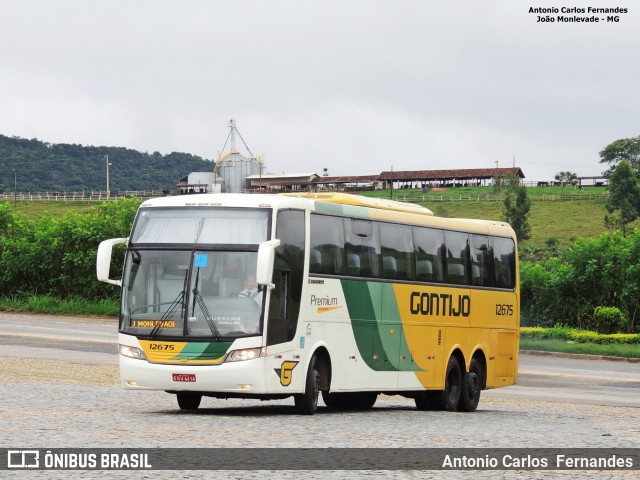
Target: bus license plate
(184, 377)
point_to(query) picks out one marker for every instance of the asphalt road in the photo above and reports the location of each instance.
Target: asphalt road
(76, 402)
(545, 378)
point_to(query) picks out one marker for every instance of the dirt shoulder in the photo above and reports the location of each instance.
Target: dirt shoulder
(59, 318)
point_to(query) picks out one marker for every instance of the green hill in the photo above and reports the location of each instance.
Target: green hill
(564, 214)
(563, 220)
(48, 167)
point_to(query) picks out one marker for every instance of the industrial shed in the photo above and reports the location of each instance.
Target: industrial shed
(444, 178)
(359, 182)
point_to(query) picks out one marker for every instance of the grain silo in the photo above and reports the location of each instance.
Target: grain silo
(232, 168)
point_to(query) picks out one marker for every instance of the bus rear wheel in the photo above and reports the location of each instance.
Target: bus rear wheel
(449, 398)
(188, 400)
(471, 387)
(307, 402)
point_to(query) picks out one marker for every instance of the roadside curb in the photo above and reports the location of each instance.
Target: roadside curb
(581, 356)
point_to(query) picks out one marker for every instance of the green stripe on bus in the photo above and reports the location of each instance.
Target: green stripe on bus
(328, 208)
(365, 316)
(377, 326)
(389, 324)
(391, 321)
(203, 351)
(363, 320)
(341, 209)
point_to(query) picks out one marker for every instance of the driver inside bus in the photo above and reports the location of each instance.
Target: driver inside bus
(251, 290)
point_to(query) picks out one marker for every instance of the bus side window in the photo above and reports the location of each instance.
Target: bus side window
(315, 260)
(327, 238)
(481, 261)
(429, 254)
(284, 305)
(458, 269)
(397, 251)
(362, 246)
(278, 326)
(504, 261)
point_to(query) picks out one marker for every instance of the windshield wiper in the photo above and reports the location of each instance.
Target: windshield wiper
(179, 301)
(197, 298)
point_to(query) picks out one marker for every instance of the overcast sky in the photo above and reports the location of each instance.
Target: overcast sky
(355, 86)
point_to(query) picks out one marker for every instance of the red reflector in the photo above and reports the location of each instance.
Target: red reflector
(184, 377)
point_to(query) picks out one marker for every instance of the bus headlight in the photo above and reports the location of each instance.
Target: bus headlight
(131, 352)
(245, 354)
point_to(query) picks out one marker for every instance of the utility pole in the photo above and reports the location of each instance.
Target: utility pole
(106, 157)
(15, 182)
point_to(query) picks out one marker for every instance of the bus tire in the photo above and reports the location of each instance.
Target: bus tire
(423, 403)
(188, 400)
(333, 400)
(471, 387)
(307, 402)
(449, 398)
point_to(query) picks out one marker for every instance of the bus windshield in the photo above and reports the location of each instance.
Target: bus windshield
(212, 294)
(220, 226)
(191, 273)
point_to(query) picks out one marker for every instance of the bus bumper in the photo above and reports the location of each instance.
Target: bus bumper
(243, 377)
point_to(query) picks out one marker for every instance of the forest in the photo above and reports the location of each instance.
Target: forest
(37, 166)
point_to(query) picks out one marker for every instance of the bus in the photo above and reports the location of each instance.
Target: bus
(352, 297)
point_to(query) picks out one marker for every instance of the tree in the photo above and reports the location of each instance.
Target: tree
(41, 166)
(516, 211)
(566, 178)
(623, 149)
(623, 204)
(510, 181)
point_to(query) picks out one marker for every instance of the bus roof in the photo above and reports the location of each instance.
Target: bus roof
(267, 200)
(361, 201)
(336, 203)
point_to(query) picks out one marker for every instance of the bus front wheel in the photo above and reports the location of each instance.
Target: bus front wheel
(307, 402)
(188, 400)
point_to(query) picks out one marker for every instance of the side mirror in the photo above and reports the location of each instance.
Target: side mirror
(103, 260)
(266, 256)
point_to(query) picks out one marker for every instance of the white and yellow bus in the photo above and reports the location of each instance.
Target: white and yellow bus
(355, 297)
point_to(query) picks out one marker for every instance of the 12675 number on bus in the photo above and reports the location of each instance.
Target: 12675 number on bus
(504, 309)
(161, 346)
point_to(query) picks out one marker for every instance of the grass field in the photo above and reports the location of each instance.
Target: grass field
(564, 220)
(48, 304)
(34, 209)
(581, 216)
(555, 345)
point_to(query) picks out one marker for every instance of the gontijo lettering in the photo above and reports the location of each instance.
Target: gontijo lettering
(440, 304)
